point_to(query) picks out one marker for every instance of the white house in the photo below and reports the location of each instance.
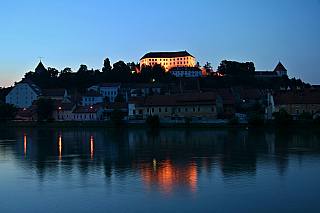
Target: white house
(24, 93)
(107, 90)
(186, 71)
(91, 98)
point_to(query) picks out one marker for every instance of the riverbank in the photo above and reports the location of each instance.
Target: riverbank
(107, 124)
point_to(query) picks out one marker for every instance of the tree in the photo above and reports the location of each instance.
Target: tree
(7, 112)
(44, 110)
(116, 117)
(150, 92)
(236, 68)
(282, 117)
(208, 67)
(106, 66)
(119, 98)
(255, 120)
(82, 69)
(153, 121)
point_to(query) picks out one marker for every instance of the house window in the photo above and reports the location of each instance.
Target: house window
(152, 109)
(298, 111)
(179, 109)
(303, 111)
(140, 112)
(312, 105)
(159, 109)
(166, 109)
(147, 109)
(283, 105)
(186, 109)
(212, 109)
(92, 99)
(312, 112)
(194, 109)
(199, 109)
(291, 105)
(297, 105)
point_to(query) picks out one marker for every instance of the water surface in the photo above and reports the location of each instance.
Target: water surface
(55, 170)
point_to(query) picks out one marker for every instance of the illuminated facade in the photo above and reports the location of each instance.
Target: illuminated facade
(168, 59)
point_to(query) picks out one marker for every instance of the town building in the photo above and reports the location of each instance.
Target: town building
(23, 93)
(296, 102)
(178, 106)
(88, 113)
(188, 72)
(278, 71)
(168, 59)
(109, 90)
(91, 97)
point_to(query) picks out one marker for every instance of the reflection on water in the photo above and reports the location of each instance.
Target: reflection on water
(171, 163)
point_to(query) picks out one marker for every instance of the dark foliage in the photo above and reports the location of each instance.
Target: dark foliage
(7, 112)
(44, 110)
(153, 121)
(117, 117)
(255, 120)
(282, 117)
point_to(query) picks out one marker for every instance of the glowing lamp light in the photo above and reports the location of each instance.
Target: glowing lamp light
(59, 108)
(90, 107)
(24, 109)
(153, 80)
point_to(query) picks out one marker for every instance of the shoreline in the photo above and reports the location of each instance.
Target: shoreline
(161, 125)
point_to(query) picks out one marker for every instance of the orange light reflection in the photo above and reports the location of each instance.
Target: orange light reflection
(60, 147)
(167, 176)
(91, 140)
(25, 144)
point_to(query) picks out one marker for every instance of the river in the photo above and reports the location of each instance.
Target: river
(171, 170)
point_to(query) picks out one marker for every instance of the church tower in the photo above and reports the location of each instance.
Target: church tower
(40, 68)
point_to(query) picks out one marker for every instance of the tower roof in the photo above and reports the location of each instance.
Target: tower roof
(40, 68)
(280, 67)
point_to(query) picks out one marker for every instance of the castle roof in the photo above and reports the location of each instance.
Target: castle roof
(280, 67)
(166, 54)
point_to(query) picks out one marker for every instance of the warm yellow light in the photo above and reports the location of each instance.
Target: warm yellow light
(24, 109)
(90, 107)
(153, 80)
(59, 108)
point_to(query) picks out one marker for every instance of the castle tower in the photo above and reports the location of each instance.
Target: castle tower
(280, 70)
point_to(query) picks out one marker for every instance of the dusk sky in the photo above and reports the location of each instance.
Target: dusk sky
(68, 33)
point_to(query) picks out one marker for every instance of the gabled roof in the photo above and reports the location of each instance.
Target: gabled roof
(166, 54)
(31, 84)
(92, 93)
(279, 67)
(27, 112)
(57, 105)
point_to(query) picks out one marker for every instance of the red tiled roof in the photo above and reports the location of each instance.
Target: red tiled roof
(307, 96)
(279, 67)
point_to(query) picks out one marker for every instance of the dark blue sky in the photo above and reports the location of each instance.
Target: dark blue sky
(69, 33)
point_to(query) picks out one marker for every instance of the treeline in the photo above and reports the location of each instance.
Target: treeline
(84, 78)
(236, 74)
